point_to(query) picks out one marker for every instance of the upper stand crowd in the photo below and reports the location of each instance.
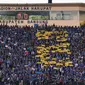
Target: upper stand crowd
(42, 55)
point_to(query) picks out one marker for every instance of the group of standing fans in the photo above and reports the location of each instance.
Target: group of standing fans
(19, 64)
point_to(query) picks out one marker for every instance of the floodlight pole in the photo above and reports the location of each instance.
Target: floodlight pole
(50, 1)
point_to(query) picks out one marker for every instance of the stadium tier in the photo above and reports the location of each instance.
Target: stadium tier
(42, 44)
(42, 55)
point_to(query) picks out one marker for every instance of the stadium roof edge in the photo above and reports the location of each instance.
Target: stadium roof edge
(42, 4)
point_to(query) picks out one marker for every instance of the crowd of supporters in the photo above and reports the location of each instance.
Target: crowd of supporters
(22, 62)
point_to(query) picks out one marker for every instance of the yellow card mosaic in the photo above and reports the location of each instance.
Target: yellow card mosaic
(43, 51)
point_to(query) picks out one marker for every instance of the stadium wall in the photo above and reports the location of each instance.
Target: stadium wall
(64, 14)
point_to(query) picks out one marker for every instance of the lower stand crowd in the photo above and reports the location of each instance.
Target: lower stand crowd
(18, 61)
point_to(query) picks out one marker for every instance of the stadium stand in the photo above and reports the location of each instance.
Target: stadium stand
(42, 55)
